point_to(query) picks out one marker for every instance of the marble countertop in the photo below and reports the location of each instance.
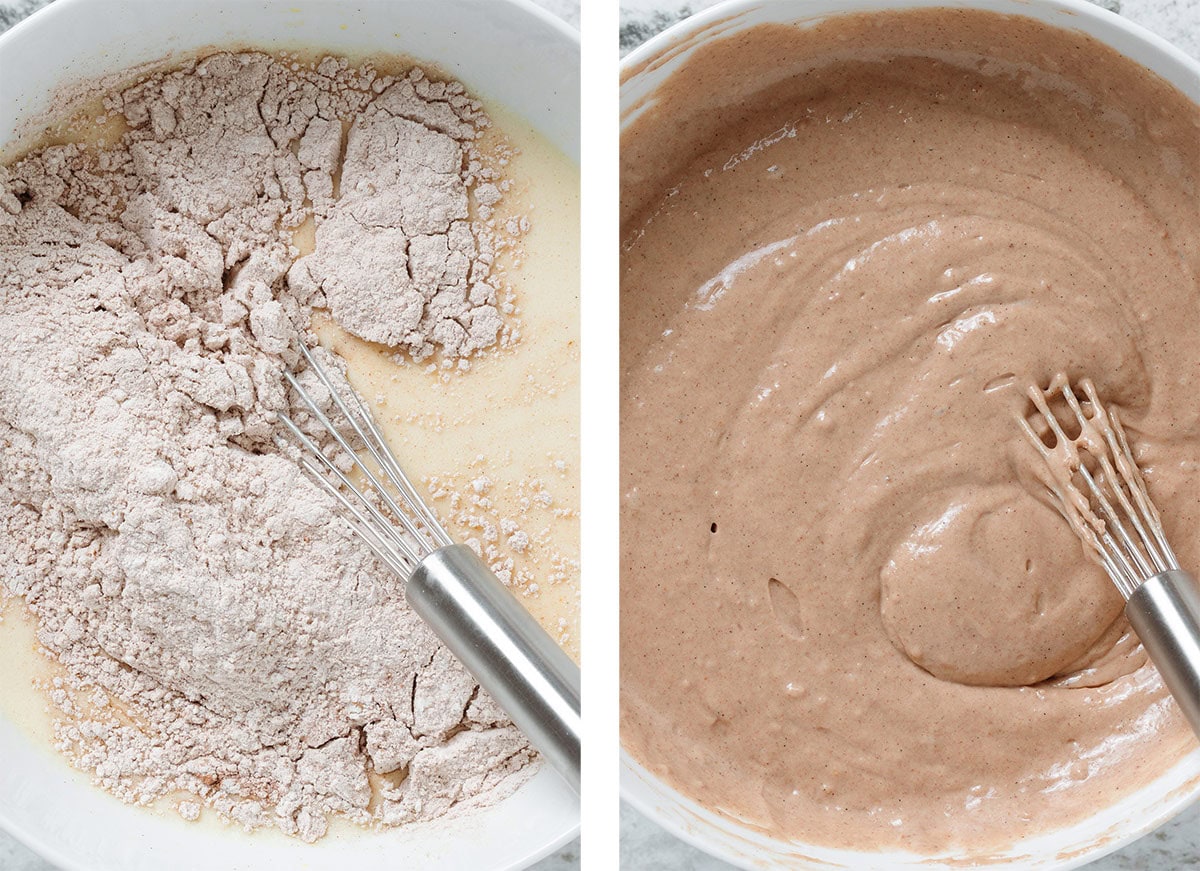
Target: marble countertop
(1176, 20)
(15, 856)
(1173, 847)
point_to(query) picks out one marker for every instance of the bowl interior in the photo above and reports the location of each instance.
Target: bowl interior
(644, 70)
(510, 53)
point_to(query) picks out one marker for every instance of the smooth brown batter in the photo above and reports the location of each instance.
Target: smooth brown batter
(847, 619)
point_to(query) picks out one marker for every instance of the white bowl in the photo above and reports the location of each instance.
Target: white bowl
(511, 53)
(720, 836)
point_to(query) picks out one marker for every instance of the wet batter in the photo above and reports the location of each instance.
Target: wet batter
(846, 616)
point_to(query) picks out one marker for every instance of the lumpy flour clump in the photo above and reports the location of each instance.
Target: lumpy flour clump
(222, 632)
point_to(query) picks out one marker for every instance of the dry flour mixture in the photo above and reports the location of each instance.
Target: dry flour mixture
(223, 633)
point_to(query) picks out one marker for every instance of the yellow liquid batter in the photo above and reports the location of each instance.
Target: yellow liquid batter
(25, 669)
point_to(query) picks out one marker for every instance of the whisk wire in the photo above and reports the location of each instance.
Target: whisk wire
(377, 520)
(1129, 556)
(1125, 457)
(1113, 513)
(387, 460)
(1157, 561)
(1128, 479)
(398, 526)
(1101, 543)
(382, 547)
(368, 432)
(378, 485)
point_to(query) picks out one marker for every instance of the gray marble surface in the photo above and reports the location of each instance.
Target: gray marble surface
(1176, 20)
(1173, 847)
(14, 856)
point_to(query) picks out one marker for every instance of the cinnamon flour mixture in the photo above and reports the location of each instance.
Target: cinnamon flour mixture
(224, 634)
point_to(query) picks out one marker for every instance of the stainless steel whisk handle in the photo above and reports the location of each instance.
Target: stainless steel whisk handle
(505, 649)
(1165, 613)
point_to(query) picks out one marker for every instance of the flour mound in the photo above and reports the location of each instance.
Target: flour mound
(222, 631)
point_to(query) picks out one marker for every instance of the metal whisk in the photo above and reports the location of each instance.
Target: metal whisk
(465, 604)
(1114, 518)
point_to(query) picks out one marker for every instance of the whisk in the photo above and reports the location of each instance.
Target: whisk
(1107, 504)
(451, 588)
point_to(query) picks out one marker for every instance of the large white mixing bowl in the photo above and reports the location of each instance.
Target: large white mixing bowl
(509, 52)
(642, 72)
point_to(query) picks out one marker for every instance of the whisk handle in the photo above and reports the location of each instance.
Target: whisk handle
(1165, 614)
(505, 649)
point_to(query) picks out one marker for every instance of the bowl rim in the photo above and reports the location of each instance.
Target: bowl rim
(55, 7)
(50, 852)
(50, 15)
(691, 32)
(684, 29)
(53, 10)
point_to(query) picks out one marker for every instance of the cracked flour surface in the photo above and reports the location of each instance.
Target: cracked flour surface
(222, 632)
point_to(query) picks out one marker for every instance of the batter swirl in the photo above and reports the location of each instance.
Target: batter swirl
(846, 616)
